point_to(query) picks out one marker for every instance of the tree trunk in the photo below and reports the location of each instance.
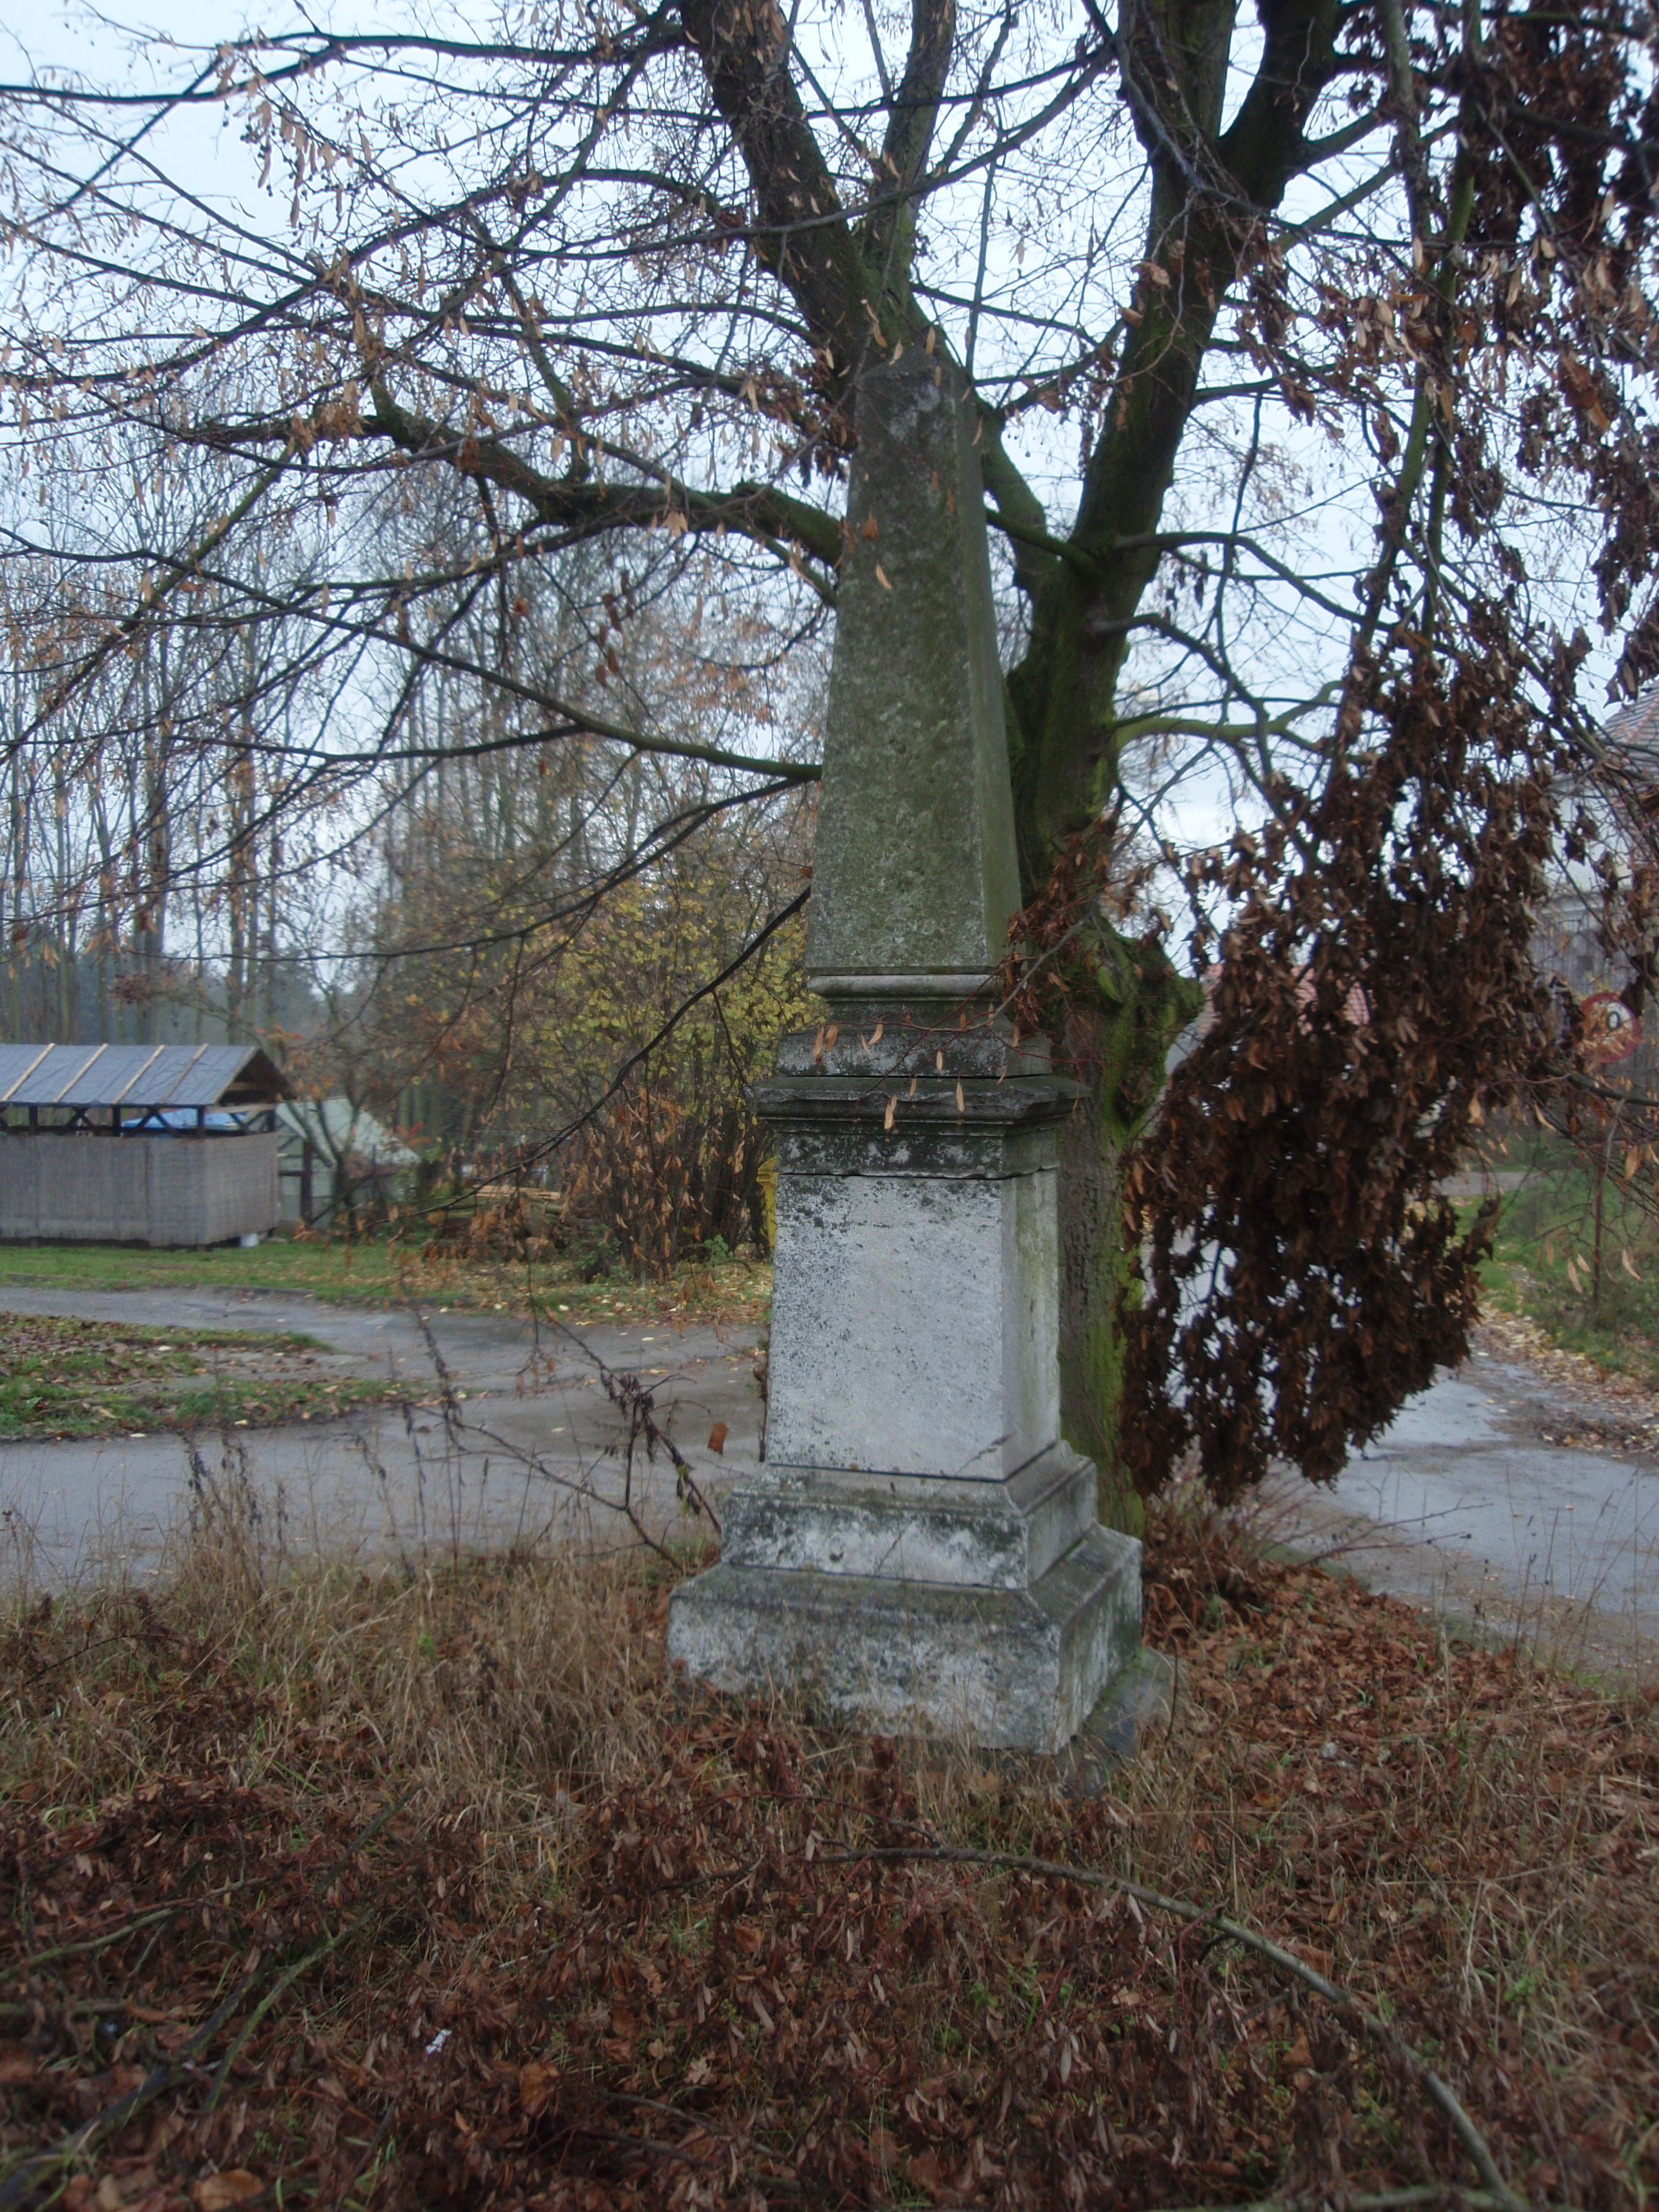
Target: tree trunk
(1094, 1269)
(1123, 1007)
(1122, 1003)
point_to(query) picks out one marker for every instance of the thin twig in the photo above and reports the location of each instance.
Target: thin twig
(289, 1975)
(1286, 1962)
(630, 1397)
(745, 953)
(129, 1927)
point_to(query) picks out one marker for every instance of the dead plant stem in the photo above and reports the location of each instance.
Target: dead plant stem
(1285, 1962)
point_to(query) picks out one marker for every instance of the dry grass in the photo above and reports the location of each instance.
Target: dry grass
(388, 1271)
(60, 1376)
(498, 1917)
(493, 1684)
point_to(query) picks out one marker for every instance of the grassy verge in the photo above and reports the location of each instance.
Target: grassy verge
(430, 1890)
(1545, 1268)
(383, 1271)
(82, 1378)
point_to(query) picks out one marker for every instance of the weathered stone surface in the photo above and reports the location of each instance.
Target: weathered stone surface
(1007, 1669)
(1136, 1704)
(987, 1535)
(1137, 1700)
(835, 1124)
(921, 1550)
(914, 875)
(913, 1322)
(898, 1039)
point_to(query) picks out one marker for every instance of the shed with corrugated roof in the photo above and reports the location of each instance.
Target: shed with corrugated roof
(170, 1144)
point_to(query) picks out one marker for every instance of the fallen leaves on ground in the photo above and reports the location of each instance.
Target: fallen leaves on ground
(288, 1952)
(1590, 1407)
(62, 1376)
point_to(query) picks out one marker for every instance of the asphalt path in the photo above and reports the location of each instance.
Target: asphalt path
(505, 1433)
(1480, 1500)
(1499, 1497)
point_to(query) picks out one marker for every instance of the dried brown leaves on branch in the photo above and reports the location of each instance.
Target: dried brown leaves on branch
(1374, 986)
(1374, 996)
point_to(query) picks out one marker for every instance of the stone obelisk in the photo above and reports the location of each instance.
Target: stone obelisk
(921, 1549)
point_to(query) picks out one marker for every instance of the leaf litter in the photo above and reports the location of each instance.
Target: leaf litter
(63, 1376)
(429, 1891)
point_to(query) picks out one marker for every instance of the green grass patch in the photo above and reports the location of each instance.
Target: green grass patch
(1591, 1291)
(390, 1271)
(62, 1377)
(318, 1267)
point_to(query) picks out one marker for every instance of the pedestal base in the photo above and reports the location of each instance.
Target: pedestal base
(914, 1528)
(1006, 1669)
(921, 1552)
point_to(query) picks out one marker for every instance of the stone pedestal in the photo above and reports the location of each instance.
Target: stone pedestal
(922, 1551)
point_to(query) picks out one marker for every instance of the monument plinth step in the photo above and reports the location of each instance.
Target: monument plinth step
(1007, 1669)
(1000, 1534)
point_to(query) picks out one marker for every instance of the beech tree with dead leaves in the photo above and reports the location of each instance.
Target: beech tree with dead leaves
(1313, 348)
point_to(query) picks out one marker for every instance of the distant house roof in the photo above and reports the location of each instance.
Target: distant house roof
(1633, 732)
(1626, 775)
(145, 1078)
(335, 1127)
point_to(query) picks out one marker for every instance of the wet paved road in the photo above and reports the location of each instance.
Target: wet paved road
(1464, 1503)
(534, 1443)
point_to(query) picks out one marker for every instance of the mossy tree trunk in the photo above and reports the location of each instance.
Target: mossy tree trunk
(1117, 1043)
(1209, 190)
(1126, 1001)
